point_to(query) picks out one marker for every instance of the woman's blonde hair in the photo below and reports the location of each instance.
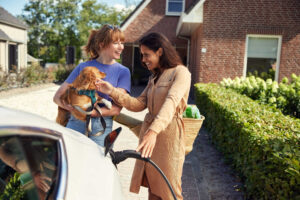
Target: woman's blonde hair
(105, 35)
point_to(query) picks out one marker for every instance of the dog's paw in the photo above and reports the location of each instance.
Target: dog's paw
(106, 103)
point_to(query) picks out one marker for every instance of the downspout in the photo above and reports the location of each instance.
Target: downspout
(188, 49)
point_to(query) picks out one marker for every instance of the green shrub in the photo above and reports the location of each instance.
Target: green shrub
(261, 143)
(34, 74)
(28, 76)
(13, 190)
(285, 95)
(3, 79)
(62, 73)
(264, 75)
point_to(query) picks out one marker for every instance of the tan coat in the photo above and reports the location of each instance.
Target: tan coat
(166, 100)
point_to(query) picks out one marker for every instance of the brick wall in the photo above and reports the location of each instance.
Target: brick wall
(290, 57)
(153, 19)
(223, 35)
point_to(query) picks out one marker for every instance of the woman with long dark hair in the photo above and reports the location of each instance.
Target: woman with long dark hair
(162, 135)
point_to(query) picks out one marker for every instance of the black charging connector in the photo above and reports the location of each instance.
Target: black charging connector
(120, 156)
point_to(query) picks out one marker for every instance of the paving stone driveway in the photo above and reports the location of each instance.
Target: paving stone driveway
(205, 176)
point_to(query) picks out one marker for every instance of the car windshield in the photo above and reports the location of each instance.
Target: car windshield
(28, 167)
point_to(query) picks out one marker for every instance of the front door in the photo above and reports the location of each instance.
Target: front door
(13, 58)
(140, 73)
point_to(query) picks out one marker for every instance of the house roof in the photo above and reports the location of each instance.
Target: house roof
(134, 13)
(142, 5)
(3, 36)
(188, 10)
(32, 59)
(9, 19)
(190, 19)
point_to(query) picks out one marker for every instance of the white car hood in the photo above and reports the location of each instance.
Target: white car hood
(90, 175)
(90, 171)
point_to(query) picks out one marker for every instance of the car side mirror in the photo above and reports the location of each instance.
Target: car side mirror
(110, 139)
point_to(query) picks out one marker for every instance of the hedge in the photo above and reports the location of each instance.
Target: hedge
(284, 95)
(260, 142)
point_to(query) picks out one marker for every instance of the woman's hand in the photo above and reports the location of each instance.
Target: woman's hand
(40, 181)
(57, 97)
(66, 106)
(104, 86)
(147, 144)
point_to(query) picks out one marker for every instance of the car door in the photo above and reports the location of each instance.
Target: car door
(43, 160)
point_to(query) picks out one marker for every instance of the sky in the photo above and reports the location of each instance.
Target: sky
(15, 6)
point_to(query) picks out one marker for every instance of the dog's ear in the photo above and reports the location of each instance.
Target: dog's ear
(83, 80)
(88, 79)
(102, 74)
(92, 80)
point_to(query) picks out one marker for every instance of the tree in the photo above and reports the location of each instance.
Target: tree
(55, 24)
(93, 15)
(38, 17)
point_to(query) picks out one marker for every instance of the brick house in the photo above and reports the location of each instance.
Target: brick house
(13, 42)
(220, 38)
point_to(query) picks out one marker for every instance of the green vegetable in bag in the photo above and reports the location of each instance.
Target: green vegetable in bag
(192, 112)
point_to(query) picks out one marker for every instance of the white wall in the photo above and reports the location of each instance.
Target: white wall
(16, 34)
(19, 37)
(3, 56)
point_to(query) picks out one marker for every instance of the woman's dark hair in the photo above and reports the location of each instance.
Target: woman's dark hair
(169, 57)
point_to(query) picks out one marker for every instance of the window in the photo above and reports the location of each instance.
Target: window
(28, 167)
(174, 7)
(262, 56)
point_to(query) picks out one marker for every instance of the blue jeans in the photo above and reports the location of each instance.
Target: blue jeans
(79, 126)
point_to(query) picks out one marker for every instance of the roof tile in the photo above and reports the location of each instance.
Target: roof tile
(7, 18)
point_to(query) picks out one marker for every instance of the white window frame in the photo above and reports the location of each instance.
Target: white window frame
(174, 13)
(279, 37)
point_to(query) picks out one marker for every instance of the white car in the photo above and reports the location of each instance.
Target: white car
(40, 159)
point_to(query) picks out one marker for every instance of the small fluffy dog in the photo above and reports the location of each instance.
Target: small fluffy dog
(81, 94)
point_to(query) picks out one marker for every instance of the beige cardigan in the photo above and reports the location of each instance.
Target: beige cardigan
(166, 100)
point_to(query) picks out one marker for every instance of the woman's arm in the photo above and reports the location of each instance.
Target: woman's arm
(57, 97)
(181, 84)
(135, 104)
(131, 103)
(17, 163)
(115, 109)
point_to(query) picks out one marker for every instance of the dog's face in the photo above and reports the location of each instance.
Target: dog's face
(85, 81)
(87, 78)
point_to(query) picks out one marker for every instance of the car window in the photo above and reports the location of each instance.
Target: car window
(28, 167)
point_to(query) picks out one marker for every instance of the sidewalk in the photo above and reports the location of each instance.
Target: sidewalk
(205, 176)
